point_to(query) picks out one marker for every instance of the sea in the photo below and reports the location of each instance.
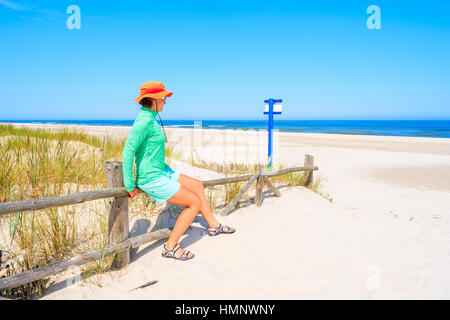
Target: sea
(405, 128)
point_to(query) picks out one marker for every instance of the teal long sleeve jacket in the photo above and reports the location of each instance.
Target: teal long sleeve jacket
(146, 143)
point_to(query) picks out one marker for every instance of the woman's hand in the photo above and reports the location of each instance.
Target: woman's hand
(133, 193)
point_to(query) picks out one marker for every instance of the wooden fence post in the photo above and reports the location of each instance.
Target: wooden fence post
(118, 228)
(309, 162)
(259, 186)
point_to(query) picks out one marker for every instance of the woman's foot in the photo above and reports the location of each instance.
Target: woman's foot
(213, 231)
(176, 252)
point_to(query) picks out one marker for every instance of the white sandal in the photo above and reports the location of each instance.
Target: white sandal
(171, 253)
(219, 229)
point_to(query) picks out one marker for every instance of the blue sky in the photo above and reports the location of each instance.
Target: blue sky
(222, 59)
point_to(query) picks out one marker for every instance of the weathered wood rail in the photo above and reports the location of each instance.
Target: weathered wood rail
(118, 229)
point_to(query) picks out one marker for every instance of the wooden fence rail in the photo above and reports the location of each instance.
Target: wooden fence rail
(118, 229)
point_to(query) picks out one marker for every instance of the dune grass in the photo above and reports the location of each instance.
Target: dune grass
(36, 163)
(60, 134)
(212, 199)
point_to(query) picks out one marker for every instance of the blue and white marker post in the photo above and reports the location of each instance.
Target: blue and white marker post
(271, 107)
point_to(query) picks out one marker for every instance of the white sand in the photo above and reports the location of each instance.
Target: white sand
(385, 235)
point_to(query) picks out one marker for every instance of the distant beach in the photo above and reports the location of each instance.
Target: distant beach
(405, 128)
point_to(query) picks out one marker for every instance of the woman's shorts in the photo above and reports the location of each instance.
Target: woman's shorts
(162, 189)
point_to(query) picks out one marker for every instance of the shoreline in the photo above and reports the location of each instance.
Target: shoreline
(345, 134)
(311, 134)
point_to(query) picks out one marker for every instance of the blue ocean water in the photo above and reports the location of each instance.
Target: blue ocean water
(408, 128)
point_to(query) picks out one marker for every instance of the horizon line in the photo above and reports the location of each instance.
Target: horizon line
(1, 120)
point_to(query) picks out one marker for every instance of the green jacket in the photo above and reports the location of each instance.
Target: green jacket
(146, 142)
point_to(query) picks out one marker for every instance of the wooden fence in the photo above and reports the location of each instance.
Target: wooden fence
(119, 242)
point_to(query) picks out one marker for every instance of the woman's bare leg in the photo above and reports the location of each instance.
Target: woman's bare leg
(188, 199)
(197, 187)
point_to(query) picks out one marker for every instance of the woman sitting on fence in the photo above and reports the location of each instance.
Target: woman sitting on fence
(146, 142)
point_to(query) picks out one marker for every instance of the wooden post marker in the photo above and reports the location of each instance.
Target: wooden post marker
(309, 162)
(118, 214)
(259, 186)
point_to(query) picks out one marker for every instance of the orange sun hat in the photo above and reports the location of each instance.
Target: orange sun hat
(153, 89)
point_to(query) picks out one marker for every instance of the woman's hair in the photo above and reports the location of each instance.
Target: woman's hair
(147, 102)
